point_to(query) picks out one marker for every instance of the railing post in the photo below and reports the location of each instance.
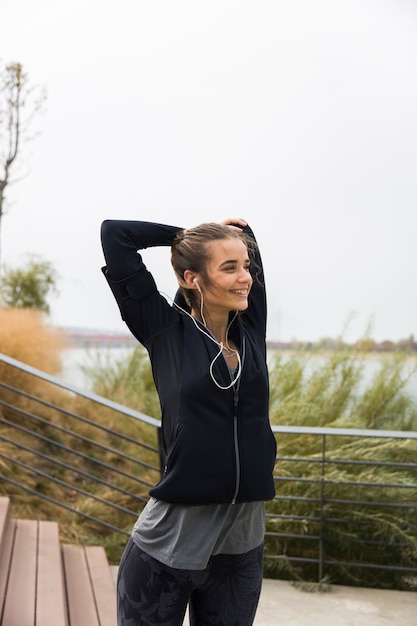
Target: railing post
(321, 533)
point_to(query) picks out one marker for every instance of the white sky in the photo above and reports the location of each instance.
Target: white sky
(299, 115)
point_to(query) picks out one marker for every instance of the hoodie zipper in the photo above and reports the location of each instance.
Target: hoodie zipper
(236, 443)
(236, 389)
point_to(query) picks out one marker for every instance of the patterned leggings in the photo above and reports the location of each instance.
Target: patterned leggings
(225, 593)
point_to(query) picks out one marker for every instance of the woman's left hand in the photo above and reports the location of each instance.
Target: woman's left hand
(232, 221)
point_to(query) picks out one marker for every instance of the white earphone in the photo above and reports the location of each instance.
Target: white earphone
(195, 281)
(210, 336)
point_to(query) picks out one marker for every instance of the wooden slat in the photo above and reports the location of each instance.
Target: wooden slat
(19, 608)
(4, 516)
(42, 585)
(81, 601)
(51, 607)
(5, 560)
(5, 548)
(103, 585)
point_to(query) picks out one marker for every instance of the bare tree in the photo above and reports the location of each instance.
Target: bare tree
(19, 104)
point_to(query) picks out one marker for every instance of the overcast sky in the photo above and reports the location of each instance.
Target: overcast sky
(298, 115)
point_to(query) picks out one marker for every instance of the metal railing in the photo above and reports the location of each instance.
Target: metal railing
(346, 502)
(62, 448)
(345, 511)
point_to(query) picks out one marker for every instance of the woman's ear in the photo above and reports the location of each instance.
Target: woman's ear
(189, 278)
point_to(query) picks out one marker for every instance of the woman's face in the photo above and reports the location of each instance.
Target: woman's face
(229, 279)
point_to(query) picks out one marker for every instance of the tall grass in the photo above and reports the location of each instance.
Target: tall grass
(25, 335)
(315, 388)
(127, 380)
(327, 390)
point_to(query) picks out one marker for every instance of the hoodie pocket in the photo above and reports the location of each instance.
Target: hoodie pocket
(173, 450)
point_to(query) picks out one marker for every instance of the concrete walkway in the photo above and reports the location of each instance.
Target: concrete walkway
(282, 604)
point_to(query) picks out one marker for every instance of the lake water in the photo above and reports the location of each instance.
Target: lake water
(75, 359)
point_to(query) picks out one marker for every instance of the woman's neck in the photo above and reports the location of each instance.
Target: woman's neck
(217, 325)
(219, 329)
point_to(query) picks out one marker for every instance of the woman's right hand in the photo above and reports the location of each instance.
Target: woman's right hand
(232, 221)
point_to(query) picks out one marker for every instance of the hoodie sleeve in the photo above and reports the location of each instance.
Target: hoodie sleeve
(141, 306)
(121, 240)
(256, 313)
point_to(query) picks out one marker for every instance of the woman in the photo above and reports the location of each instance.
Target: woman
(199, 540)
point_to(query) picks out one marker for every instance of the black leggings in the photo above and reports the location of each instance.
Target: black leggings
(225, 593)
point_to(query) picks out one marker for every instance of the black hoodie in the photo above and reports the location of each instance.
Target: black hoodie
(218, 443)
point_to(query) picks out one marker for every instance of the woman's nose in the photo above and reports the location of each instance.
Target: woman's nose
(244, 276)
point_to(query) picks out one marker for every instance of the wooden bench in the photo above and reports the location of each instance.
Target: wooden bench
(45, 584)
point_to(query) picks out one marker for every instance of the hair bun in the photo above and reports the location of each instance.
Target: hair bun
(180, 236)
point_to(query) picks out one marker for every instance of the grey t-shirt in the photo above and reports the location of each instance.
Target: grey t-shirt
(185, 537)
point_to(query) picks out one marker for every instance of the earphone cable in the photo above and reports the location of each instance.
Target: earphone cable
(214, 340)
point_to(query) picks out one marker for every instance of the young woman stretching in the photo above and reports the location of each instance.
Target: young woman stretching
(199, 539)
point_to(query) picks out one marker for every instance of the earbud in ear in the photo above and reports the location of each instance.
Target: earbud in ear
(195, 281)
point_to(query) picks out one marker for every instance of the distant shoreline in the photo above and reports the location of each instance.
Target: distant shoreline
(91, 338)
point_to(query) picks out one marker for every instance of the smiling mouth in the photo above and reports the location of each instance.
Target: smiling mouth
(240, 292)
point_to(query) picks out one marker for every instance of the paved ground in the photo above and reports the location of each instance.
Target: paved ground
(282, 604)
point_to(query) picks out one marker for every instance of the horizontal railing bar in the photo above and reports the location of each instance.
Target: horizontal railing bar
(327, 501)
(293, 517)
(272, 533)
(298, 479)
(297, 559)
(362, 483)
(393, 464)
(297, 459)
(328, 539)
(331, 481)
(368, 542)
(371, 503)
(296, 520)
(392, 568)
(297, 499)
(330, 461)
(344, 432)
